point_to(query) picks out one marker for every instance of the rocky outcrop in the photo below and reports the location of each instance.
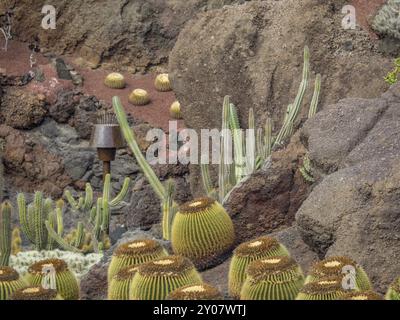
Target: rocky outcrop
(253, 52)
(355, 209)
(135, 34)
(268, 199)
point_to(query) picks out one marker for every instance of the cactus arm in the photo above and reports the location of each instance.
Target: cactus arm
(5, 233)
(129, 137)
(122, 194)
(98, 220)
(315, 99)
(60, 241)
(72, 202)
(52, 224)
(206, 179)
(168, 207)
(24, 217)
(92, 217)
(268, 137)
(38, 219)
(251, 145)
(88, 201)
(105, 203)
(237, 141)
(224, 167)
(80, 236)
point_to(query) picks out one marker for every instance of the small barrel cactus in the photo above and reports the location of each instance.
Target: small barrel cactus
(393, 292)
(162, 83)
(274, 278)
(175, 110)
(120, 284)
(9, 282)
(115, 81)
(156, 279)
(361, 295)
(327, 288)
(66, 282)
(139, 97)
(134, 253)
(195, 292)
(339, 266)
(248, 252)
(202, 231)
(36, 293)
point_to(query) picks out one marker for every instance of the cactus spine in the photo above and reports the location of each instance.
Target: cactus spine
(246, 253)
(151, 177)
(66, 282)
(5, 233)
(274, 278)
(156, 279)
(134, 253)
(10, 282)
(202, 231)
(195, 292)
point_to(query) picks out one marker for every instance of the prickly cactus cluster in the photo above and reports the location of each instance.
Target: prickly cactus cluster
(387, 21)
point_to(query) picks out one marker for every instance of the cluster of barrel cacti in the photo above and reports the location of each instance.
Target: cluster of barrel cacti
(143, 270)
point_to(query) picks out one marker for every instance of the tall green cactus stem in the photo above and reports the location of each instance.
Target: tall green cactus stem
(5, 233)
(237, 135)
(206, 179)
(122, 194)
(315, 99)
(291, 117)
(38, 220)
(169, 209)
(23, 217)
(225, 167)
(105, 204)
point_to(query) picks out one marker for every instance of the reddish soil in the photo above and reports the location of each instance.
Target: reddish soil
(365, 11)
(16, 62)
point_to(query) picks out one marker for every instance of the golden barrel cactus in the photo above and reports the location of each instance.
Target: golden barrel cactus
(36, 293)
(326, 288)
(10, 282)
(118, 288)
(115, 80)
(196, 292)
(162, 83)
(139, 97)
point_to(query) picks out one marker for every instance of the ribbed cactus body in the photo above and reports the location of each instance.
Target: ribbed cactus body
(36, 293)
(175, 110)
(118, 288)
(9, 282)
(273, 278)
(115, 80)
(66, 282)
(248, 252)
(162, 83)
(361, 295)
(340, 266)
(393, 292)
(202, 231)
(327, 288)
(139, 97)
(196, 292)
(156, 279)
(5, 233)
(134, 253)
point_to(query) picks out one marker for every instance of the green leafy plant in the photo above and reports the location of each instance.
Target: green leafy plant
(392, 76)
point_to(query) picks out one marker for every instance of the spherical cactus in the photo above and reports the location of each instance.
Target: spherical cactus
(115, 81)
(9, 282)
(66, 282)
(156, 279)
(120, 284)
(248, 252)
(36, 293)
(361, 295)
(139, 97)
(195, 292)
(175, 110)
(162, 83)
(393, 292)
(134, 253)
(274, 278)
(327, 288)
(202, 231)
(340, 266)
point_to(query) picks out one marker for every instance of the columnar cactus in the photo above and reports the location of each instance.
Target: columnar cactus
(248, 252)
(162, 83)
(361, 295)
(393, 292)
(66, 282)
(156, 279)
(339, 266)
(274, 278)
(326, 288)
(5, 233)
(10, 282)
(134, 253)
(202, 231)
(196, 292)
(36, 293)
(118, 288)
(115, 80)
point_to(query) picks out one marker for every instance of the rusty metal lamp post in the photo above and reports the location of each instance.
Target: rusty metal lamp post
(106, 138)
